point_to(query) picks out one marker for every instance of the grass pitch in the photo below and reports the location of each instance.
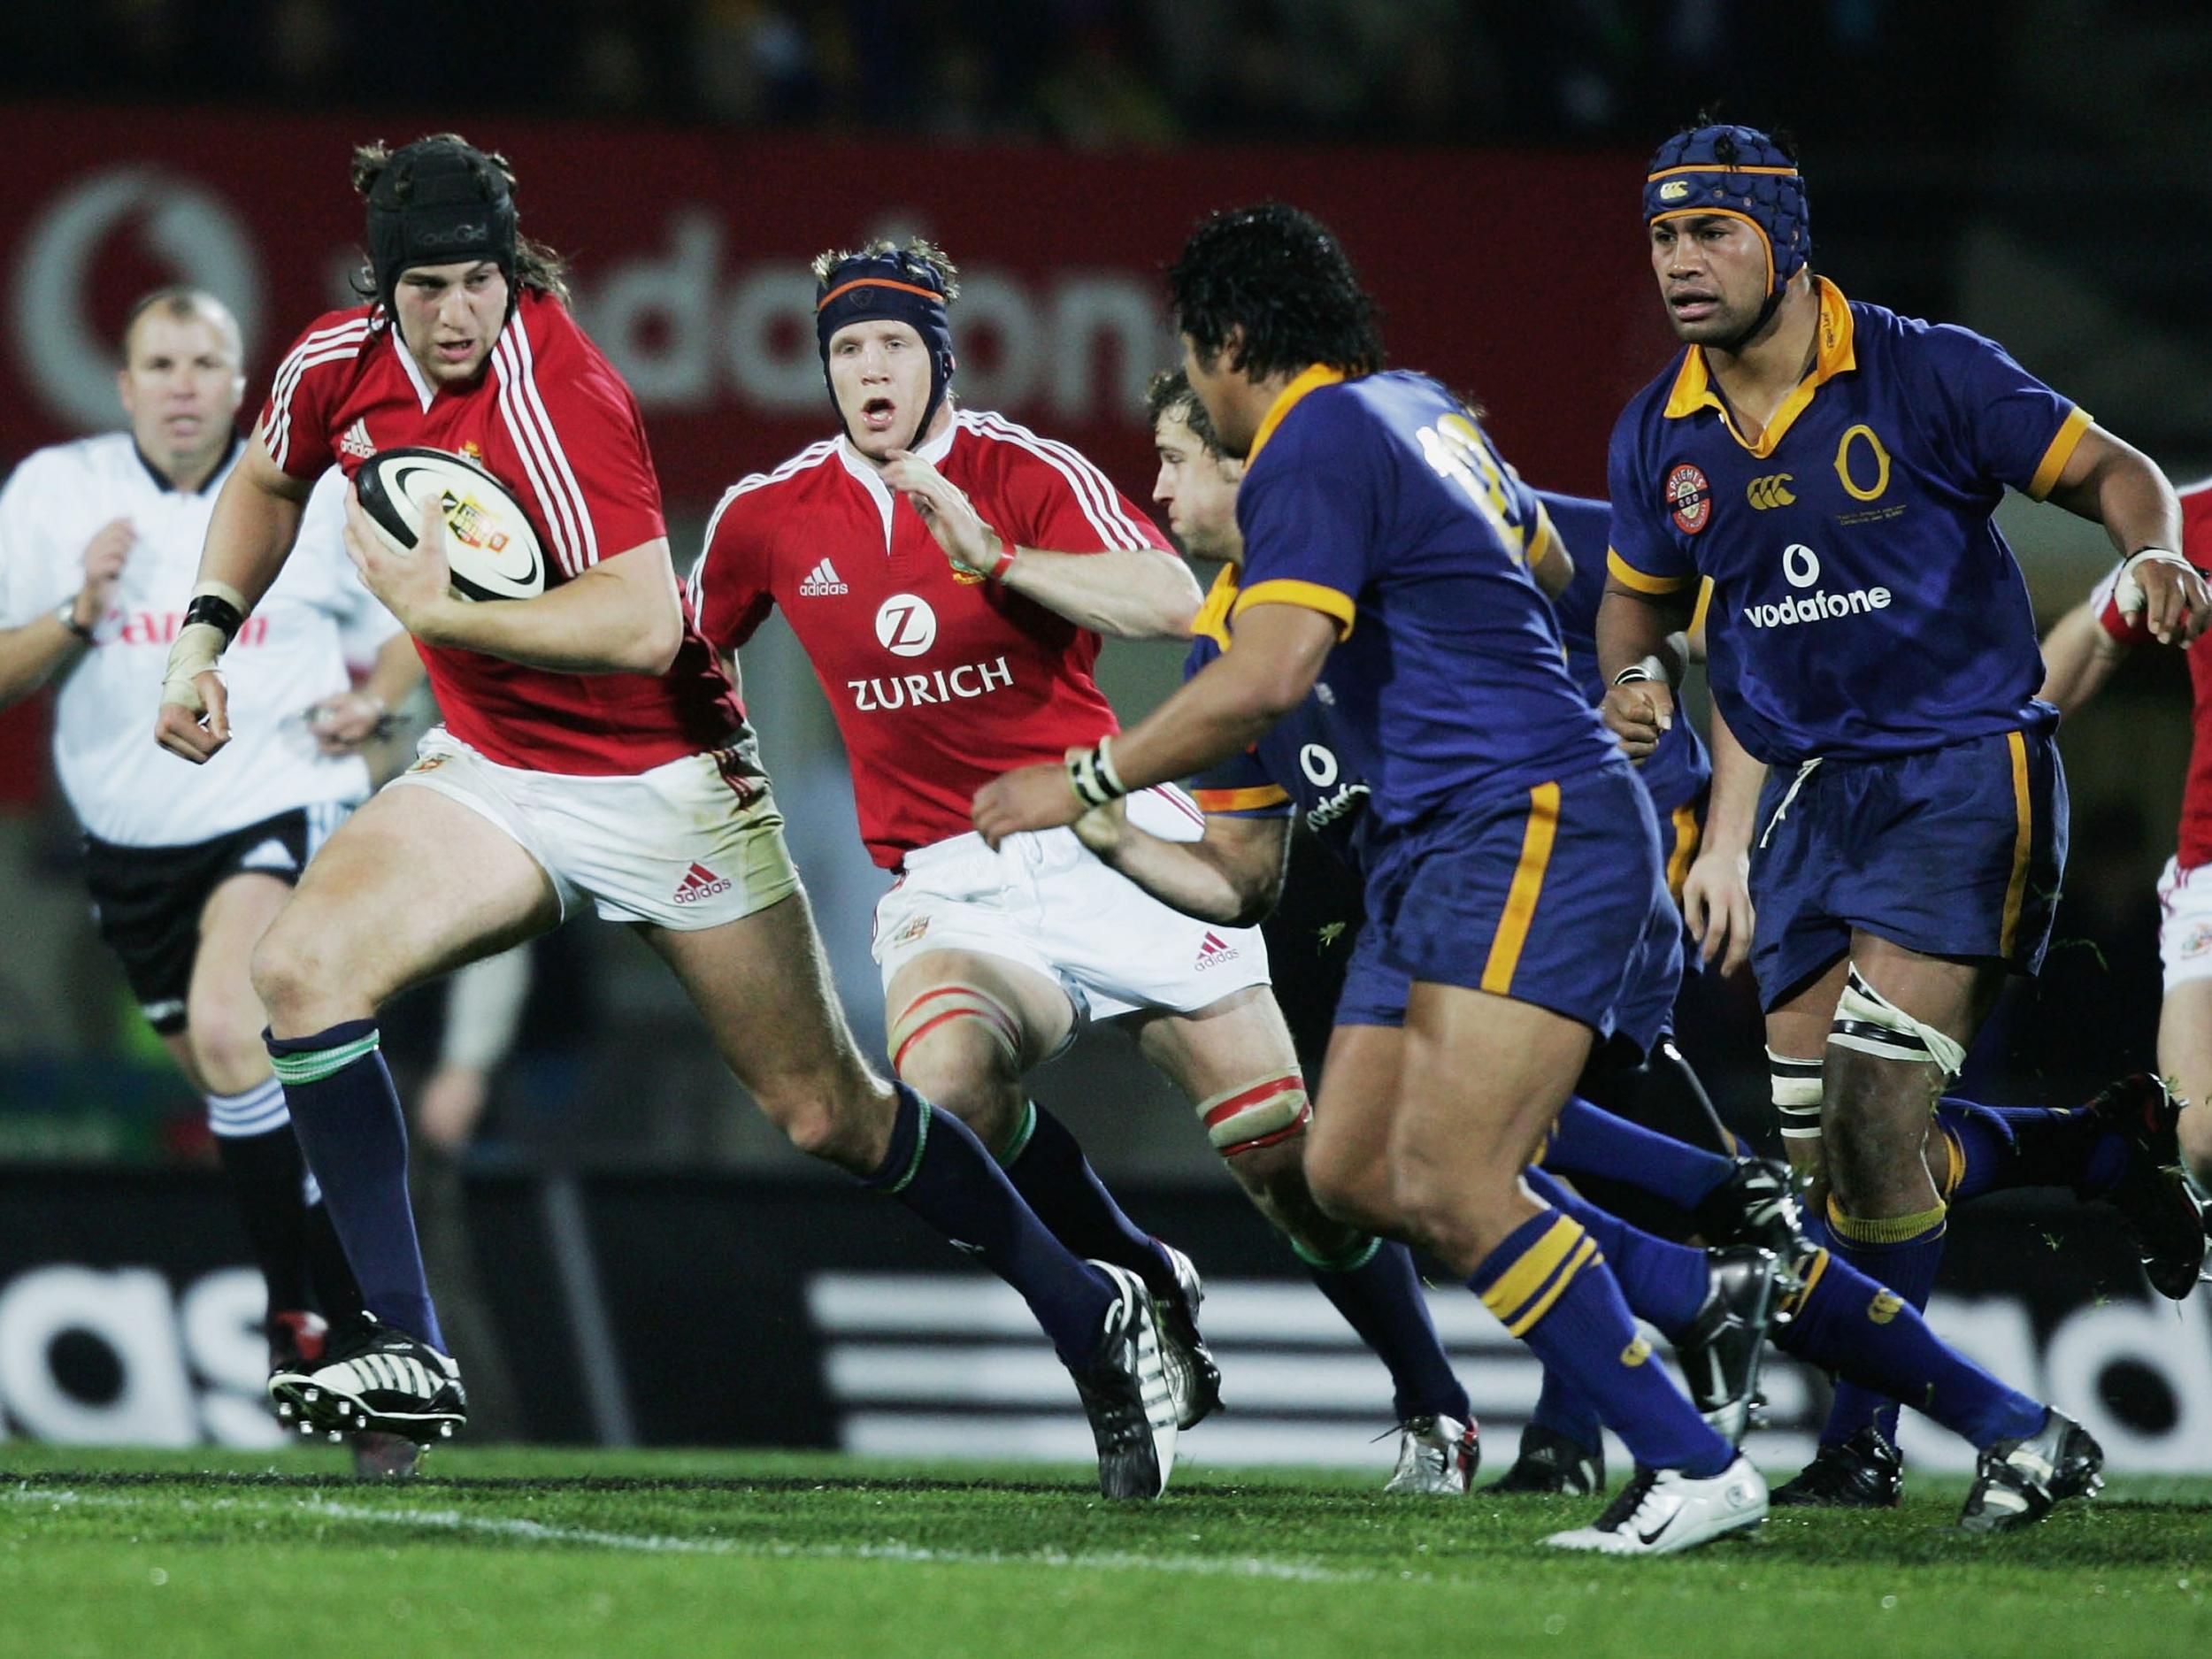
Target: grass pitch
(560, 1552)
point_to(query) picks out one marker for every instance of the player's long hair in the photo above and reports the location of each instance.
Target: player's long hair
(916, 250)
(1279, 278)
(536, 266)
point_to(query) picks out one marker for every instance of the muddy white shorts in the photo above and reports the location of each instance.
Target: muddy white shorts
(1044, 900)
(2185, 922)
(688, 845)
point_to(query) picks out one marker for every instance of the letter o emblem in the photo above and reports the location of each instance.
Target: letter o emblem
(1801, 565)
(1319, 764)
(1843, 465)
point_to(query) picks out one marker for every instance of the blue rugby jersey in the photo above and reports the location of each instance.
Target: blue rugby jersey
(1863, 602)
(1378, 503)
(1677, 771)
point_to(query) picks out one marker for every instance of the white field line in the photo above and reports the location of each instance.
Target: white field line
(662, 1544)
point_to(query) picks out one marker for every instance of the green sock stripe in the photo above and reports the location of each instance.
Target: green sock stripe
(317, 1064)
(914, 1163)
(1350, 1261)
(1018, 1142)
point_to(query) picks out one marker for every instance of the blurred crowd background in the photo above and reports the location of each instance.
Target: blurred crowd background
(2035, 170)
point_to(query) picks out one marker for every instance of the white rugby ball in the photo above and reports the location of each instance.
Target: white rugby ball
(489, 545)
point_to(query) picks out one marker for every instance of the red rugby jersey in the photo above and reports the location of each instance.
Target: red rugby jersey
(551, 419)
(940, 681)
(2196, 797)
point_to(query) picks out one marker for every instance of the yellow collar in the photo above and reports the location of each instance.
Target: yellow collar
(1212, 620)
(1311, 380)
(1832, 355)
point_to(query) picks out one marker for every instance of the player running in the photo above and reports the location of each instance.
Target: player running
(1513, 861)
(2080, 654)
(950, 574)
(1711, 1309)
(1831, 469)
(595, 750)
(187, 869)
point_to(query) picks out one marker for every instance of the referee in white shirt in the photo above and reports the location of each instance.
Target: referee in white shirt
(188, 864)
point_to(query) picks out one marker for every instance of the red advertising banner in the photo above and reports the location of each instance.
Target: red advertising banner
(1518, 278)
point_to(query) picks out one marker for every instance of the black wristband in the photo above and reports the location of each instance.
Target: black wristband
(221, 612)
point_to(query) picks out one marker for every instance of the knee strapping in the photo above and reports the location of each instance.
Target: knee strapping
(1254, 1115)
(1796, 1087)
(1871, 1022)
(940, 1005)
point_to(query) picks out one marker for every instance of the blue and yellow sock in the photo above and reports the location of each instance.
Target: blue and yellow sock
(1995, 1148)
(1378, 1290)
(1660, 1281)
(939, 1169)
(346, 1114)
(1587, 1140)
(1047, 1166)
(1549, 1287)
(1845, 1323)
(1901, 1252)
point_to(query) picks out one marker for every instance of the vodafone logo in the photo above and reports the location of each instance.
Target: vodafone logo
(69, 360)
(905, 625)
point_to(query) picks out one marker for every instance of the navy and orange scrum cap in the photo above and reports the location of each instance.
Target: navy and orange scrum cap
(440, 201)
(889, 283)
(1740, 173)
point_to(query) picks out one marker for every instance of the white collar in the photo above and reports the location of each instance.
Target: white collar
(872, 477)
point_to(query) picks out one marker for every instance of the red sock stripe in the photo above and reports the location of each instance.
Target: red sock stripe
(1251, 1097)
(1304, 1117)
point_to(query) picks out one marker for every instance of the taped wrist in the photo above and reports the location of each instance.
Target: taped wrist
(192, 653)
(1093, 775)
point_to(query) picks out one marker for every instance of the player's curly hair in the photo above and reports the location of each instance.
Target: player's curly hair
(536, 266)
(1169, 393)
(1278, 279)
(917, 251)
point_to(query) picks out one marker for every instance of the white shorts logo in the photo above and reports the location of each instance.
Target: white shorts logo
(905, 625)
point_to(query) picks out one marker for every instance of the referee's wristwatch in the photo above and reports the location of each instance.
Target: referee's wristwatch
(66, 613)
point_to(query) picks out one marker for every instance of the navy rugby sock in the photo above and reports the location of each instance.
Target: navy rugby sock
(1550, 1287)
(264, 1174)
(1378, 1290)
(347, 1116)
(1047, 1166)
(939, 1169)
(1587, 1140)
(1994, 1147)
(1845, 1323)
(1562, 1408)
(1902, 1255)
(1661, 1281)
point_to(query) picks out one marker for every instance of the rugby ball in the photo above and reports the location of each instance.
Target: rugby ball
(489, 545)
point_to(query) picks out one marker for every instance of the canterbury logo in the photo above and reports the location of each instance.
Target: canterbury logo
(1885, 1307)
(821, 582)
(1674, 190)
(1770, 491)
(700, 882)
(1636, 1353)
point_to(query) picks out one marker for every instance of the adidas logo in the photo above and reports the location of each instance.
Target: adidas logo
(1213, 950)
(822, 581)
(356, 442)
(700, 882)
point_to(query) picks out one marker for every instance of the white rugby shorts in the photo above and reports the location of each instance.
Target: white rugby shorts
(678, 845)
(1045, 900)
(2185, 922)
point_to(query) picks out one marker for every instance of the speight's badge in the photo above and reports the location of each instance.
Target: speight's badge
(1690, 497)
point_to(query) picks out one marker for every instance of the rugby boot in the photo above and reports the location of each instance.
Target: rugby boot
(1758, 1205)
(1863, 1472)
(2017, 1482)
(1437, 1456)
(1124, 1393)
(2163, 1212)
(1552, 1465)
(376, 1378)
(1663, 1511)
(1721, 1348)
(1194, 1381)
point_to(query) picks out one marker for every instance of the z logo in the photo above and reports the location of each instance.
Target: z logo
(1770, 491)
